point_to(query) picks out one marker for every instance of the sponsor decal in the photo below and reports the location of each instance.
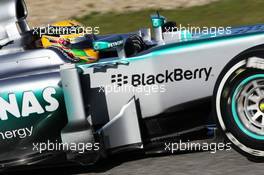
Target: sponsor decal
(117, 43)
(29, 104)
(167, 76)
(20, 133)
(119, 79)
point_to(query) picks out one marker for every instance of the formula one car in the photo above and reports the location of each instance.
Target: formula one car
(142, 91)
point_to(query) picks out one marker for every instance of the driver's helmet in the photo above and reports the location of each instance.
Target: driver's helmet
(62, 34)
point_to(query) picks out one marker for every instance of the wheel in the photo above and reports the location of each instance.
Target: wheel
(239, 103)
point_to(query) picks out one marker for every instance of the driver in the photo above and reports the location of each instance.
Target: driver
(77, 46)
(62, 36)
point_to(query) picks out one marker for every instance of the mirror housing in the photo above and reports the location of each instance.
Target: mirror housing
(157, 23)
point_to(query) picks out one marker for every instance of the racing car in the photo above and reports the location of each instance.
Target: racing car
(145, 88)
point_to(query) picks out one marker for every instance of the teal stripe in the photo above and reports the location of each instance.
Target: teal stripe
(172, 48)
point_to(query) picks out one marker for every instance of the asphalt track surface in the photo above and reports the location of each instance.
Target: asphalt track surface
(205, 163)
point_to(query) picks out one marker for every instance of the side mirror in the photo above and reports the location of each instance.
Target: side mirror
(157, 23)
(116, 42)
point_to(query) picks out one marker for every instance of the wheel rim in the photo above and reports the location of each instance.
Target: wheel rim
(248, 106)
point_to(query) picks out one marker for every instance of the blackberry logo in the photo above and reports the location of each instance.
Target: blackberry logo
(165, 77)
(119, 79)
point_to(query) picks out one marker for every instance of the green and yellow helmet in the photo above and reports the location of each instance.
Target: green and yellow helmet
(61, 33)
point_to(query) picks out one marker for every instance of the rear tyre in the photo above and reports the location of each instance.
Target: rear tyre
(239, 104)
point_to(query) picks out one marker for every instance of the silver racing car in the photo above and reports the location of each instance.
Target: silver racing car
(145, 88)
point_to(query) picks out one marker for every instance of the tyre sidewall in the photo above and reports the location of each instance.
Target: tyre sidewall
(242, 142)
